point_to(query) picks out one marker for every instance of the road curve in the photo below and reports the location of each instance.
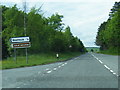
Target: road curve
(84, 71)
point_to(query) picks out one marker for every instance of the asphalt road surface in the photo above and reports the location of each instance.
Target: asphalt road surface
(85, 71)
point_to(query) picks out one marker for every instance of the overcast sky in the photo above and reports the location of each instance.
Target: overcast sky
(83, 16)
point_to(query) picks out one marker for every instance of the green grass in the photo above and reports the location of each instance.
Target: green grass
(110, 51)
(37, 59)
(96, 49)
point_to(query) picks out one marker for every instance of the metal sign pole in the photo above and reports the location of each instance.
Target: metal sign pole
(26, 56)
(15, 59)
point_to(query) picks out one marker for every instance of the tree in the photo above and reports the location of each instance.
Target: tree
(55, 21)
(108, 36)
(46, 34)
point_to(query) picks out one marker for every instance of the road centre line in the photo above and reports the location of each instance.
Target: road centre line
(17, 87)
(59, 66)
(59, 63)
(65, 63)
(49, 71)
(62, 64)
(55, 69)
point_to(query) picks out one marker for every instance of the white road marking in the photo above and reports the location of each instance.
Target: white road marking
(59, 63)
(97, 58)
(17, 87)
(100, 61)
(62, 65)
(111, 70)
(65, 63)
(114, 73)
(105, 65)
(55, 69)
(59, 66)
(49, 71)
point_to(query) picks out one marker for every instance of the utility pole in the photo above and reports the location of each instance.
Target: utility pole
(24, 6)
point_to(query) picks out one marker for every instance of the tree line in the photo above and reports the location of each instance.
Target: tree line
(108, 35)
(47, 34)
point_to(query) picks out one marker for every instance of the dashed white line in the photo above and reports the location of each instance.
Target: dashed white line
(65, 63)
(17, 87)
(62, 65)
(59, 63)
(49, 71)
(114, 73)
(111, 71)
(105, 66)
(97, 58)
(59, 66)
(100, 61)
(55, 69)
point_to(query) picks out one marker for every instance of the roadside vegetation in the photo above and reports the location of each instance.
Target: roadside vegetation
(37, 59)
(108, 36)
(47, 34)
(93, 49)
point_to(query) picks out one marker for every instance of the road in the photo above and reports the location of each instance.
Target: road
(85, 71)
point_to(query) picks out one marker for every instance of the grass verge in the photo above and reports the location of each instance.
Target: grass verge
(110, 51)
(37, 59)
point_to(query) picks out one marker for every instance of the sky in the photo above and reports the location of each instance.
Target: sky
(83, 16)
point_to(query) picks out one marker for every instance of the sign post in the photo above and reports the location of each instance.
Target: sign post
(15, 55)
(20, 42)
(26, 56)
